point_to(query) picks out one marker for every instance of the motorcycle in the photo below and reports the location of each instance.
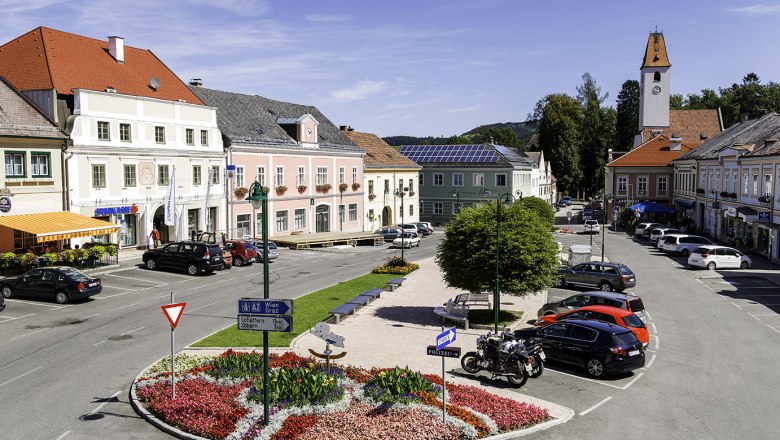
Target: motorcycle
(505, 355)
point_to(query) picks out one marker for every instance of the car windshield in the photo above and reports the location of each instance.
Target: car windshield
(633, 321)
(636, 304)
(624, 339)
(625, 270)
(74, 273)
(215, 250)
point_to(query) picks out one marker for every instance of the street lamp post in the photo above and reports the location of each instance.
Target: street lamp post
(258, 197)
(399, 192)
(715, 207)
(508, 199)
(769, 199)
(605, 199)
(457, 201)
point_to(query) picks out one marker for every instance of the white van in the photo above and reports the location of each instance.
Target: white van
(684, 244)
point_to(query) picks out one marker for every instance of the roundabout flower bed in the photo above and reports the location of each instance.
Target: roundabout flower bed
(221, 397)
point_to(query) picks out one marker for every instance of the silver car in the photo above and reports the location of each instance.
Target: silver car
(657, 233)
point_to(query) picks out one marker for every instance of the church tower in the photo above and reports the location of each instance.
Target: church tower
(654, 84)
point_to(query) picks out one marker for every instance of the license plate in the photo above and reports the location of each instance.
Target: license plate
(633, 353)
(542, 355)
(528, 368)
(92, 284)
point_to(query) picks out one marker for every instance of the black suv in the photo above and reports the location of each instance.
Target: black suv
(601, 347)
(193, 256)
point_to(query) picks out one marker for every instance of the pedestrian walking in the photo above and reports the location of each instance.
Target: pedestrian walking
(155, 236)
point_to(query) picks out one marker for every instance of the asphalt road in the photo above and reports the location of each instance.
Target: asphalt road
(65, 371)
(710, 369)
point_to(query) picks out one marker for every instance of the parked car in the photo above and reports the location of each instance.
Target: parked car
(601, 347)
(408, 227)
(423, 230)
(592, 227)
(626, 301)
(606, 276)
(660, 243)
(410, 239)
(243, 251)
(566, 201)
(621, 317)
(193, 256)
(586, 213)
(684, 244)
(597, 205)
(273, 249)
(62, 284)
(389, 233)
(428, 225)
(657, 233)
(640, 228)
(718, 257)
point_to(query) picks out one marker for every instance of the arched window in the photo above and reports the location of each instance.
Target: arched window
(657, 76)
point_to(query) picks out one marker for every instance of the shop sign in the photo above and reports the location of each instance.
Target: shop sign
(763, 217)
(5, 204)
(730, 212)
(130, 209)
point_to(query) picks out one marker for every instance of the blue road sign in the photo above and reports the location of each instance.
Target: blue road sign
(230, 167)
(258, 306)
(446, 338)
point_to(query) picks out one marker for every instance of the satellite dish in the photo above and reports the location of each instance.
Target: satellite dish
(154, 83)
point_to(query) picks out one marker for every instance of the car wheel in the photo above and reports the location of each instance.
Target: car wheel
(238, 261)
(151, 264)
(744, 265)
(469, 362)
(711, 265)
(605, 286)
(192, 269)
(61, 297)
(595, 368)
(686, 253)
(559, 282)
(8, 292)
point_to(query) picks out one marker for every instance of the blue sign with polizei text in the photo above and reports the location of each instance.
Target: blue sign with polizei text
(258, 306)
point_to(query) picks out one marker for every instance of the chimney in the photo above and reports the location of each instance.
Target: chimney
(196, 82)
(116, 47)
(343, 127)
(674, 142)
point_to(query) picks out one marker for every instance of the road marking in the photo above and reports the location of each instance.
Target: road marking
(64, 434)
(51, 306)
(649, 364)
(20, 376)
(18, 317)
(632, 381)
(101, 342)
(655, 331)
(766, 315)
(111, 296)
(736, 305)
(129, 305)
(607, 399)
(28, 334)
(117, 287)
(656, 342)
(754, 316)
(778, 331)
(91, 316)
(99, 407)
(648, 315)
(131, 331)
(584, 378)
(152, 287)
(202, 287)
(131, 278)
(202, 307)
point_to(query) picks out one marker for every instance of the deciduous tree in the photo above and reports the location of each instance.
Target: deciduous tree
(627, 123)
(560, 119)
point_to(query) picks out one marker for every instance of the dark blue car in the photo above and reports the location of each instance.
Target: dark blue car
(566, 201)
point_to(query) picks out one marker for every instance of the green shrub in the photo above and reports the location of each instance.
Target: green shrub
(67, 256)
(399, 385)
(396, 270)
(51, 258)
(98, 251)
(27, 259)
(299, 387)
(112, 250)
(8, 259)
(236, 365)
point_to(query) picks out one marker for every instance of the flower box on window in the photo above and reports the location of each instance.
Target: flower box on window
(302, 188)
(343, 187)
(280, 190)
(240, 192)
(412, 193)
(325, 187)
(355, 186)
(371, 197)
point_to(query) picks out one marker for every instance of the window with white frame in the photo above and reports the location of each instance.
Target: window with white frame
(260, 176)
(641, 186)
(300, 218)
(703, 179)
(438, 179)
(353, 212)
(745, 184)
(411, 184)
(301, 180)
(215, 174)
(755, 184)
(322, 175)
(163, 176)
(342, 175)
(98, 175)
(281, 221)
(370, 187)
(190, 136)
(129, 175)
(341, 213)
(734, 182)
(104, 132)
(622, 184)
(457, 179)
(14, 164)
(40, 164)
(479, 180)
(279, 176)
(159, 134)
(767, 183)
(197, 175)
(716, 187)
(501, 179)
(387, 186)
(438, 208)
(411, 209)
(204, 138)
(240, 180)
(421, 179)
(243, 224)
(454, 208)
(662, 184)
(401, 185)
(354, 174)
(124, 132)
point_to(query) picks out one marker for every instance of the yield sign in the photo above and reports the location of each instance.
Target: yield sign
(173, 312)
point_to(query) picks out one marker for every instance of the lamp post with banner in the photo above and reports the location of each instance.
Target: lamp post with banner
(399, 192)
(769, 199)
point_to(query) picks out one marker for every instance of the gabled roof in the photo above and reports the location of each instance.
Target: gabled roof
(379, 154)
(694, 127)
(45, 59)
(655, 52)
(20, 118)
(761, 132)
(653, 153)
(253, 120)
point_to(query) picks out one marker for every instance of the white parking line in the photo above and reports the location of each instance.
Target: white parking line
(649, 364)
(90, 316)
(736, 305)
(99, 407)
(632, 381)
(203, 286)
(778, 331)
(117, 287)
(655, 331)
(754, 316)
(15, 318)
(131, 331)
(202, 307)
(101, 342)
(656, 342)
(20, 376)
(129, 305)
(111, 296)
(607, 399)
(766, 315)
(33, 303)
(64, 434)
(130, 278)
(648, 315)
(584, 378)
(28, 334)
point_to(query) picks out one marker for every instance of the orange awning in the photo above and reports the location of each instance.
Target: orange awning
(52, 226)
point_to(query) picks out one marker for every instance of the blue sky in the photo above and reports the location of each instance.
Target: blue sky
(436, 67)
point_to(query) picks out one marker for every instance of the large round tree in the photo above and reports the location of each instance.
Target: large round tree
(528, 255)
(541, 208)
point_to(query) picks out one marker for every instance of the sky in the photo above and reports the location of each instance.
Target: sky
(423, 67)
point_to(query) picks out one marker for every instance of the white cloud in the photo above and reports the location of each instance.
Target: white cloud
(464, 109)
(757, 10)
(361, 90)
(324, 18)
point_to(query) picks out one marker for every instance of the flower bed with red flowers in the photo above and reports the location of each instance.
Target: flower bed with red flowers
(377, 403)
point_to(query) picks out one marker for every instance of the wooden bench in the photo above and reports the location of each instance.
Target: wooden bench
(395, 283)
(475, 299)
(454, 312)
(344, 309)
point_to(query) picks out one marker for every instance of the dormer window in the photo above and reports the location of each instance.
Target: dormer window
(657, 77)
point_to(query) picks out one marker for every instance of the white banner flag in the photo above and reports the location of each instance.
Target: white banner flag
(170, 195)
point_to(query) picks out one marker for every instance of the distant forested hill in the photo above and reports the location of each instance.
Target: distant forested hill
(523, 130)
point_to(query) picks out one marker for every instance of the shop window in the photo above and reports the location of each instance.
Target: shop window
(281, 221)
(243, 223)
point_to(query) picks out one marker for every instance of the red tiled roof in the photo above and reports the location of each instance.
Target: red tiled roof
(689, 125)
(50, 59)
(655, 52)
(653, 153)
(378, 153)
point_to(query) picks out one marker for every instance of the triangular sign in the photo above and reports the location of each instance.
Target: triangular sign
(173, 312)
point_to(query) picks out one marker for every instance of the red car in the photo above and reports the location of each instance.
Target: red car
(623, 318)
(244, 253)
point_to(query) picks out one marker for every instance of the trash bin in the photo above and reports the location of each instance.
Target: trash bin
(579, 253)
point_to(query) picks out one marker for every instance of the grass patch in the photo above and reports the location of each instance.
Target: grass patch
(488, 316)
(307, 311)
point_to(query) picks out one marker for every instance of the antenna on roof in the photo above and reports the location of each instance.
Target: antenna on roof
(154, 83)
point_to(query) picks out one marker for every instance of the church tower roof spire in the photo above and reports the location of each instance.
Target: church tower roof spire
(655, 53)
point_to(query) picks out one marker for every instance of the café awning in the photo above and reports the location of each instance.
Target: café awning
(52, 226)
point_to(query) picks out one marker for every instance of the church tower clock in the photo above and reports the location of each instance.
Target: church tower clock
(654, 84)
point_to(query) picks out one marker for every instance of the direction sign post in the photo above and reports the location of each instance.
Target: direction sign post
(256, 306)
(173, 312)
(444, 339)
(265, 323)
